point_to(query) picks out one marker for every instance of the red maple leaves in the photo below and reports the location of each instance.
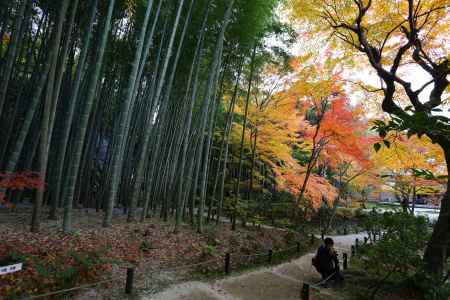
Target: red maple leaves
(19, 181)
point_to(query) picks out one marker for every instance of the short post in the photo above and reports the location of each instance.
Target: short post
(227, 263)
(356, 244)
(270, 257)
(365, 240)
(298, 247)
(305, 291)
(312, 239)
(353, 250)
(345, 230)
(129, 282)
(345, 261)
(323, 236)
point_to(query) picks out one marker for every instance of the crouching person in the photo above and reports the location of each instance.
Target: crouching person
(326, 263)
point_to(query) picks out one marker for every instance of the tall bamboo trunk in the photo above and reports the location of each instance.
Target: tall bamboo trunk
(227, 136)
(11, 56)
(156, 100)
(33, 105)
(205, 163)
(193, 78)
(194, 183)
(151, 128)
(69, 189)
(20, 98)
(124, 120)
(244, 128)
(210, 90)
(45, 123)
(212, 197)
(183, 111)
(69, 114)
(140, 170)
(252, 168)
(62, 66)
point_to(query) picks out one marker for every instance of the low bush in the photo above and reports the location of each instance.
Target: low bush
(59, 272)
(396, 256)
(145, 246)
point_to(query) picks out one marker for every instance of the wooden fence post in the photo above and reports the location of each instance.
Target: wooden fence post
(365, 240)
(356, 244)
(270, 257)
(323, 236)
(305, 291)
(353, 250)
(129, 282)
(227, 263)
(345, 261)
(298, 247)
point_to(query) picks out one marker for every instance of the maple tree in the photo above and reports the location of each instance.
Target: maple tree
(274, 122)
(328, 132)
(337, 142)
(18, 181)
(392, 35)
(410, 167)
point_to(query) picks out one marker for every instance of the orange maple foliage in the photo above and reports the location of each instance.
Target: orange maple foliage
(345, 131)
(339, 137)
(18, 181)
(318, 187)
(279, 120)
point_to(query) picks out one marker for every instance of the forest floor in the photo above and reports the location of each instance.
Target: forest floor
(54, 261)
(283, 281)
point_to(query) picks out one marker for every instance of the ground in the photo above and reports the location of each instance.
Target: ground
(54, 260)
(282, 282)
(183, 266)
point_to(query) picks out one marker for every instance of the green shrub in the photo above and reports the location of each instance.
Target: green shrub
(396, 255)
(145, 246)
(402, 238)
(372, 223)
(67, 277)
(68, 270)
(209, 249)
(43, 270)
(430, 287)
(291, 237)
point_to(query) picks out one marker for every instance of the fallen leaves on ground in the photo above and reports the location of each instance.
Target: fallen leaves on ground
(54, 260)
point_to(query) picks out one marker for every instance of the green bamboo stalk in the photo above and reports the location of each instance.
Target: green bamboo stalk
(83, 122)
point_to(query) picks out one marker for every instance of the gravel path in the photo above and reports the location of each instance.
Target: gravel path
(282, 282)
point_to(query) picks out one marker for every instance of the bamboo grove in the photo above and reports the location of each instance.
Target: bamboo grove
(118, 103)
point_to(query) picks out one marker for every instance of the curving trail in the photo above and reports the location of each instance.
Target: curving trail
(281, 282)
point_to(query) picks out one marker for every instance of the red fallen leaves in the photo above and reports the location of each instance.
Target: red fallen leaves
(19, 181)
(120, 246)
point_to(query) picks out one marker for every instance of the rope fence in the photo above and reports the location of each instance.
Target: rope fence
(146, 278)
(81, 287)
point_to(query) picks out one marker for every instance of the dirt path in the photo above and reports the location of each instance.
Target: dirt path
(281, 282)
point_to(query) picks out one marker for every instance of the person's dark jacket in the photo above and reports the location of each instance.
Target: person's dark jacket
(326, 261)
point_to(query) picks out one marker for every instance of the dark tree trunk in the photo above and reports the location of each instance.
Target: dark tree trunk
(436, 253)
